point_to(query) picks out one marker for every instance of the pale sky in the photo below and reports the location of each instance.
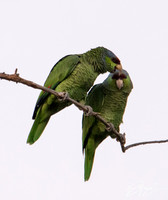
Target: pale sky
(34, 35)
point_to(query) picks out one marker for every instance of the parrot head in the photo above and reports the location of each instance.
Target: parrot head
(119, 80)
(122, 80)
(112, 62)
(103, 59)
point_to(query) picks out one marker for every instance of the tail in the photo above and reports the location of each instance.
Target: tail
(89, 158)
(37, 129)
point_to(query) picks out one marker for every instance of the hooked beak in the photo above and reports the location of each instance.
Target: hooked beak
(119, 83)
(119, 67)
(119, 76)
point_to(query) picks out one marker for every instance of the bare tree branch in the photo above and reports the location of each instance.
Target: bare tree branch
(63, 96)
(143, 143)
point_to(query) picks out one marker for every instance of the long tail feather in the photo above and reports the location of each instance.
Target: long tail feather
(89, 158)
(36, 130)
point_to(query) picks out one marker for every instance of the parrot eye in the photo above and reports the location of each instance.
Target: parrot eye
(115, 60)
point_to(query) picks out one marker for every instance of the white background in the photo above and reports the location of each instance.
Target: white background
(34, 35)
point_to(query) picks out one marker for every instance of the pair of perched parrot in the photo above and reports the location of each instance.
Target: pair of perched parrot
(75, 75)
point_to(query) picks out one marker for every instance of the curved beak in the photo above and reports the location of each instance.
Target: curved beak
(119, 83)
(119, 67)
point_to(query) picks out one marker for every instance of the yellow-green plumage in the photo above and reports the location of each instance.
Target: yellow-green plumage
(110, 101)
(74, 74)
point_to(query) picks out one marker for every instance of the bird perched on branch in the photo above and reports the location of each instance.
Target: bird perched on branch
(109, 99)
(74, 74)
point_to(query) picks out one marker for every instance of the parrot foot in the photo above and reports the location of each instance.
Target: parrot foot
(89, 111)
(63, 96)
(119, 136)
(110, 127)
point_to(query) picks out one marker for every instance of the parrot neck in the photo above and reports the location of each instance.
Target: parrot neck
(95, 58)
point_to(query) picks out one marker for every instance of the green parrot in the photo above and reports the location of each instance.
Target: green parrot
(74, 74)
(109, 100)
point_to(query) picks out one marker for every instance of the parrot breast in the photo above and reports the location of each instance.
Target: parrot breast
(79, 82)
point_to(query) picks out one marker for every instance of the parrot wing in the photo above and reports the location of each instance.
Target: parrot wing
(94, 99)
(61, 70)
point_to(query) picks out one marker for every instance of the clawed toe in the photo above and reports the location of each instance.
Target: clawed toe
(63, 96)
(119, 136)
(89, 110)
(110, 127)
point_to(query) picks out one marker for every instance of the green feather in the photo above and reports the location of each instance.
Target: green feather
(89, 157)
(74, 74)
(110, 102)
(59, 72)
(36, 130)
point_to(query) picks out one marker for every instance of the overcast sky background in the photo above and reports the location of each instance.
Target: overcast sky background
(34, 35)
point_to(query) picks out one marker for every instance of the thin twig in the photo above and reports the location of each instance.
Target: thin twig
(110, 127)
(143, 143)
(16, 78)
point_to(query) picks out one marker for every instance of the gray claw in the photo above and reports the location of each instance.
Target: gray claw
(110, 127)
(63, 96)
(89, 110)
